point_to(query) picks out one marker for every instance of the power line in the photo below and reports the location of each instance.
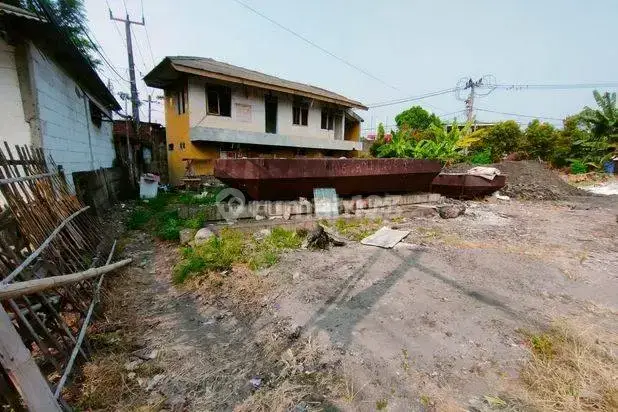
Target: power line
(565, 86)
(306, 40)
(410, 99)
(519, 115)
(148, 37)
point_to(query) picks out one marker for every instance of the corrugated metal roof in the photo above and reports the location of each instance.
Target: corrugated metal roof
(207, 65)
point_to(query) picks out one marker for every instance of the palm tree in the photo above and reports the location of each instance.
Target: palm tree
(603, 122)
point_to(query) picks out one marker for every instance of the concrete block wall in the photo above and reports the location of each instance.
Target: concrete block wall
(67, 131)
(13, 127)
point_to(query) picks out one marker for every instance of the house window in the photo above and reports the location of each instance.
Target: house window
(300, 115)
(96, 115)
(181, 101)
(219, 100)
(328, 120)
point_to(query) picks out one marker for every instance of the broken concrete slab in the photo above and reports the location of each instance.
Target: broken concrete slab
(385, 237)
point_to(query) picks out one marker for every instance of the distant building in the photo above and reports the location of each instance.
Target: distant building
(216, 110)
(51, 96)
(148, 147)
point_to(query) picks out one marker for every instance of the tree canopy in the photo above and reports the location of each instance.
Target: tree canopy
(70, 15)
(416, 119)
(603, 122)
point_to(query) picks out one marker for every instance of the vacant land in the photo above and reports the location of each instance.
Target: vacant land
(511, 306)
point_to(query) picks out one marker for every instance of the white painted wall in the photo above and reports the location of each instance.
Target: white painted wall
(13, 127)
(68, 133)
(255, 99)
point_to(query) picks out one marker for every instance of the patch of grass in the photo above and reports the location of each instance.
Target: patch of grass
(381, 404)
(232, 246)
(266, 252)
(355, 229)
(218, 253)
(208, 197)
(139, 218)
(567, 371)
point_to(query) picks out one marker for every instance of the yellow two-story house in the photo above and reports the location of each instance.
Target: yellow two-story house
(216, 110)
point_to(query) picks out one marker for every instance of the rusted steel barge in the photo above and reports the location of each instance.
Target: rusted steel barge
(288, 179)
(465, 186)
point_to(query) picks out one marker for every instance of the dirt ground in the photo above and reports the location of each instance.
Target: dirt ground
(437, 323)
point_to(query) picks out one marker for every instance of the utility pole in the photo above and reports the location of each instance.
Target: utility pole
(149, 109)
(125, 97)
(472, 85)
(480, 87)
(134, 97)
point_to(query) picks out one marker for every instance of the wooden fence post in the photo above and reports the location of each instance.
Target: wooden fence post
(22, 370)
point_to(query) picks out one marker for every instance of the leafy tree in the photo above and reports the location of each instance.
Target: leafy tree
(416, 119)
(539, 140)
(70, 15)
(502, 138)
(603, 122)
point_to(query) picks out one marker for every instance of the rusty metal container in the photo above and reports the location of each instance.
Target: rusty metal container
(288, 179)
(464, 186)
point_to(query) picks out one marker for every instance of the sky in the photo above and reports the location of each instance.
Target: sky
(408, 48)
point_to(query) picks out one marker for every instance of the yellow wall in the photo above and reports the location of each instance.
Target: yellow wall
(177, 132)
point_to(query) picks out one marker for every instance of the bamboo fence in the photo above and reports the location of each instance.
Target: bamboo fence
(49, 279)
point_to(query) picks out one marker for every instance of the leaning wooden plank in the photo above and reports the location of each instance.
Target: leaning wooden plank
(82, 332)
(39, 285)
(42, 247)
(22, 370)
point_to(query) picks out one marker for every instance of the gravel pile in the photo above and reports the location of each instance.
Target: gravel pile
(531, 180)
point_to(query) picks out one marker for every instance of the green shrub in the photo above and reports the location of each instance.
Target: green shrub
(195, 222)
(481, 158)
(501, 139)
(167, 225)
(139, 218)
(539, 140)
(578, 167)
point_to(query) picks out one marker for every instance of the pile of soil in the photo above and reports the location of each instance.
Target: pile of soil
(530, 180)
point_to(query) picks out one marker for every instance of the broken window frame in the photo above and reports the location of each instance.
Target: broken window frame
(327, 121)
(219, 93)
(300, 114)
(181, 101)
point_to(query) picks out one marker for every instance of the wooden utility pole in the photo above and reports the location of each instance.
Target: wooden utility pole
(134, 96)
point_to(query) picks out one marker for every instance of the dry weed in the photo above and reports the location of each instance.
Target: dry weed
(301, 379)
(104, 383)
(244, 288)
(569, 372)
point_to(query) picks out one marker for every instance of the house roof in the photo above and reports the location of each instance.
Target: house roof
(166, 73)
(47, 37)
